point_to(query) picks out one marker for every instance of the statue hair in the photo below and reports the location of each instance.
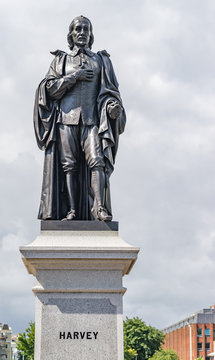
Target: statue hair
(69, 36)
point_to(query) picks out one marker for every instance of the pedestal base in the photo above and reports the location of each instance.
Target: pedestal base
(79, 289)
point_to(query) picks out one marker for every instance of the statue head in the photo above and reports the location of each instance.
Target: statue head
(80, 32)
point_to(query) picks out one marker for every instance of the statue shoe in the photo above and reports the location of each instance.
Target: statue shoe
(71, 215)
(103, 215)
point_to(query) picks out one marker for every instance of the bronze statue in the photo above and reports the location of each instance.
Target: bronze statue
(78, 117)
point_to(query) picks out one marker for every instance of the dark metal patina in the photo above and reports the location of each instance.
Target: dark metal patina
(78, 117)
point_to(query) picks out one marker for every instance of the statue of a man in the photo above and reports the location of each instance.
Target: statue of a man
(78, 117)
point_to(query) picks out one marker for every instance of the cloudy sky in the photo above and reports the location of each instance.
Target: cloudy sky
(163, 187)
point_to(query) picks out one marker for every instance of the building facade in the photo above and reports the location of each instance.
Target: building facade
(14, 351)
(5, 342)
(194, 336)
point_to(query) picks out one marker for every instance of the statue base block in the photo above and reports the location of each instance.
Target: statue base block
(79, 267)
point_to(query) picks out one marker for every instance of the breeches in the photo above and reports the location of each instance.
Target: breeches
(75, 139)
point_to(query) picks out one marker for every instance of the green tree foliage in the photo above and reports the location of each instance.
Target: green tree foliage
(166, 354)
(20, 356)
(25, 342)
(144, 339)
(129, 354)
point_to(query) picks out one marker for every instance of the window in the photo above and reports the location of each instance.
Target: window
(199, 346)
(208, 358)
(199, 332)
(207, 346)
(207, 332)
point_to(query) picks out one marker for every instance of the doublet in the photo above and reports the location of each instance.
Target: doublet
(80, 99)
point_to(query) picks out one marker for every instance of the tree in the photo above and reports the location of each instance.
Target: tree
(129, 353)
(144, 339)
(166, 354)
(25, 342)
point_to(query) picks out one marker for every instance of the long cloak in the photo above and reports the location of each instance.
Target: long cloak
(53, 204)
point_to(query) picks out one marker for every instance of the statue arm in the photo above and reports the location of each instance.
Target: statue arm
(57, 84)
(57, 87)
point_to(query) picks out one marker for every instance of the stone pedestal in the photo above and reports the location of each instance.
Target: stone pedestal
(79, 267)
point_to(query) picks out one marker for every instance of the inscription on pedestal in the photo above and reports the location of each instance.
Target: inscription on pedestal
(89, 335)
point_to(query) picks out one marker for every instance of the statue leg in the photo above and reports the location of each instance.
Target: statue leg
(95, 160)
(71, 184)
(98, 186)
(69, 150)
